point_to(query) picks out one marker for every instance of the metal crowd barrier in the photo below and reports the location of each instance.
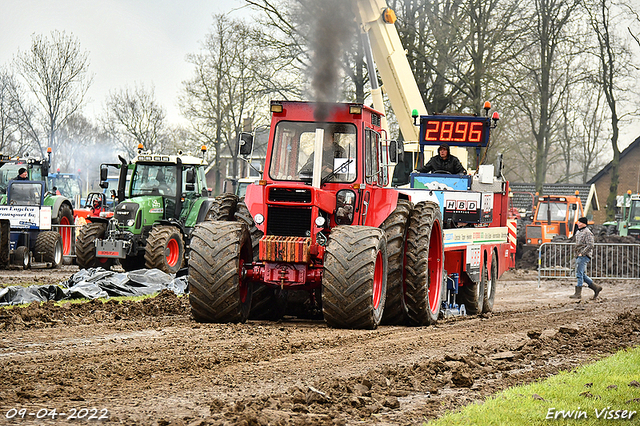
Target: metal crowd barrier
(609, 261)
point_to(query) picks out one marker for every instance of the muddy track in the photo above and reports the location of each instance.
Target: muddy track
(150, 363)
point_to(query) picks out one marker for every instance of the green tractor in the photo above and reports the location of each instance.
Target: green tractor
(155, 215)
(627, 221)
(37, 171)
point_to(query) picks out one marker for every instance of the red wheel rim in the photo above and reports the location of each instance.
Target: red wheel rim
(173, 252)
(378, 277)
(65, 233)
(435, 266)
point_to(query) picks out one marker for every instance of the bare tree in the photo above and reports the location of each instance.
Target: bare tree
(9, 115)
(224, 89)
(539, 76)
(56, 71)
(613, 61)
(132, 116)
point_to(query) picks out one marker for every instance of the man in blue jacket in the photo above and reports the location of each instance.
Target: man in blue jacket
(584, 251)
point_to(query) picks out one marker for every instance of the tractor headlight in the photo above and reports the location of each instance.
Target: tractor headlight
(258, 219)
(320, 221)
(345, 206)
(130, 222)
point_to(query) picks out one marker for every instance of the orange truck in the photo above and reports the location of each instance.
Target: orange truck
(554, 216)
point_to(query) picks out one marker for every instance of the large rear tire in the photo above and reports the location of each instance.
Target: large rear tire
(86, 249)
(65, 219)
(354, 280)
(395, 228)
(48, 248)
(164, 249)
(424, 283)
(218, 292)
(491, 281)
(223, 208)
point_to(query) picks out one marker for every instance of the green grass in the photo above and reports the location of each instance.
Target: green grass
(565, 391)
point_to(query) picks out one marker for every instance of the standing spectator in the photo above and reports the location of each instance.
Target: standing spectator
(584, 250)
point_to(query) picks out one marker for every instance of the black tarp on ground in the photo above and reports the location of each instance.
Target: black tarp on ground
(95, 283)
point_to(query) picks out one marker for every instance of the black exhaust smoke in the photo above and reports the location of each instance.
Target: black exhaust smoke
(332, 35)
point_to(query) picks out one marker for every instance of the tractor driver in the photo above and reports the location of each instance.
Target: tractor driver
(444, 162)
(22, 174)
(331, 150)
(97, 207)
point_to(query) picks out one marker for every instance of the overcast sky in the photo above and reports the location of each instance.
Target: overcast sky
(129, 41)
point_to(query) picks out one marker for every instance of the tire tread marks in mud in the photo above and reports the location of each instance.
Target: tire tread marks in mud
(155, 255)
(423, 217)
(48, 248)
(217, 248)
(349, 274)
(395, 227)
(85, 247)
(223, 208)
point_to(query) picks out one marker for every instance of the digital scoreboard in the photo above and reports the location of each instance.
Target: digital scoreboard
(455, 130)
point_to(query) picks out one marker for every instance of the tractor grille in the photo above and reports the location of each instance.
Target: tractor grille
(288, 222)
(534, 232)
(290, 195)
(125, 211)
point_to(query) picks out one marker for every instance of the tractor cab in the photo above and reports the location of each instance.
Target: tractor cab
(321, 173)
(554, 216)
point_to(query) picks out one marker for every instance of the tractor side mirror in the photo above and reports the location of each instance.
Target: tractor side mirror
(574, 207)
(245, 144)
(190, 180)
(396, 151)
(191, 176)
(104, 173)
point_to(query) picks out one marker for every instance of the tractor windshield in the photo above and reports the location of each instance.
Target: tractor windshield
(9, 171)
(558, 211)
(154, 179)
(293, 151)
(25, 193)
(68, 186)
(634, 211)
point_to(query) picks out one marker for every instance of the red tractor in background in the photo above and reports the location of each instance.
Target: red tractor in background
(322, 228)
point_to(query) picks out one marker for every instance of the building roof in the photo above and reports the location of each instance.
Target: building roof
(606, 168)
(523, 194)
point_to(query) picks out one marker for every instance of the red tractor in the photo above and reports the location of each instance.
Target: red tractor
(322, 229)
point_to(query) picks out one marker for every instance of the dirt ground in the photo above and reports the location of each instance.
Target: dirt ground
(149, 363)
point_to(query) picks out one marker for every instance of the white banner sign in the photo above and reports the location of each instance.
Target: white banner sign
(27, 217)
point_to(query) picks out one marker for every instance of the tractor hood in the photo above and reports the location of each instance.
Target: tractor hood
(139, 211)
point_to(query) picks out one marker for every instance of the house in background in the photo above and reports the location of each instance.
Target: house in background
(629, 177)
(524, 195)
